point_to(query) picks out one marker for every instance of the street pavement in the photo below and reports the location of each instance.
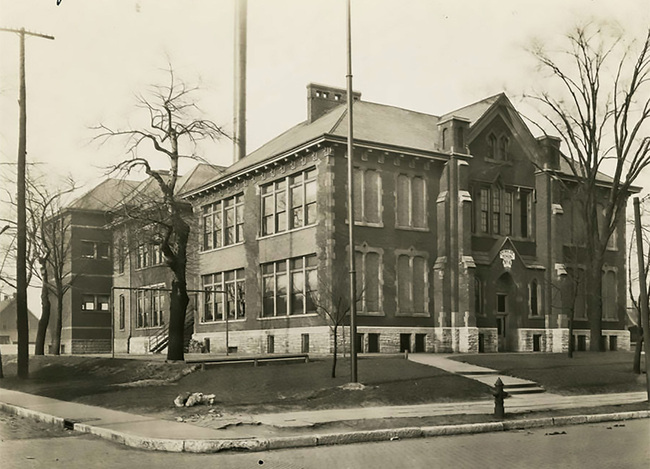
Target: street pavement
(258, 432)
(595, 446)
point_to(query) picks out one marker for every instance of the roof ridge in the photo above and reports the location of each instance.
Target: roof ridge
(400, 108)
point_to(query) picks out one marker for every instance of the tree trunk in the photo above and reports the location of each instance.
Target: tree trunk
(179, 296)
(2, 375)
(177, 312)
(335, 352)
(44, 321)
(571, 344)
(595, 303)
(637, 353)
(58, 323)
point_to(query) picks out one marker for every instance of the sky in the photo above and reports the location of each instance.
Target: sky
(426, 55)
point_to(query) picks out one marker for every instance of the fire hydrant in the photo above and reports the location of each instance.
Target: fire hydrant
(499, 395)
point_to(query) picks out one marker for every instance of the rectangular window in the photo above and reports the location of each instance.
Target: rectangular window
(412, 284)
(142, 258)
(609, 295)
(524, 213)
(411, 201)
(270, 344)
(94, 302)
(289, 203)
(102, 250)
(369, 275)
(224, 296)
(88, 249)
(367, 196)
(507, 213)
(577, 292)
(223, 222)
(95, 250)
(496, 212)
(122, 313)
(157, 307)
(88, 303)
(289, 286)
(150, 306)
(485, 210)
(156, 254)
(304, 343)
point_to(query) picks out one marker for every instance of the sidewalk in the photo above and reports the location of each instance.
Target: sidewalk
(259, 432)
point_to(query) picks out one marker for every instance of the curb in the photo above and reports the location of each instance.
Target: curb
(302, 441)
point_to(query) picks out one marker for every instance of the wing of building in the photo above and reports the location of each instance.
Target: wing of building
(464, 232)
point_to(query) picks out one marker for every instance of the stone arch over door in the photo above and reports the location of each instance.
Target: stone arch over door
(505, 312)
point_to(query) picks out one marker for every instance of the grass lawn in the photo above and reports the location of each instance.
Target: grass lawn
(585, 373)
(242, 387)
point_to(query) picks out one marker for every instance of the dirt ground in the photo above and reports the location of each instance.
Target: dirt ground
(13, 427)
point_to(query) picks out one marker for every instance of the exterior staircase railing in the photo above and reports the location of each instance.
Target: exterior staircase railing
(160, 340)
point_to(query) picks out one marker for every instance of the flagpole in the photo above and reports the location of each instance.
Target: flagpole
(351, 249)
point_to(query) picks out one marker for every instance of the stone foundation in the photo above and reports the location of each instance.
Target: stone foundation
(377, 340)
(283, 340)
(87, 346)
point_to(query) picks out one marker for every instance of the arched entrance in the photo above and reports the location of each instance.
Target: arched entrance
(505, 313)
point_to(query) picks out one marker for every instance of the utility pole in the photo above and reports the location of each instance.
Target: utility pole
(22, 325)
(643, 292)
(352, 253)
(239, 113)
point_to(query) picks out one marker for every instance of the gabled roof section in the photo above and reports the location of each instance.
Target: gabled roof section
(294, 137)
(474, 112)
(391, 126)
(8, 307)
(377, 123)
(199, 175)
(105, 196)
(507, 243)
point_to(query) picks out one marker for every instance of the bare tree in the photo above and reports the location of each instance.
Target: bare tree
(635, 297)
(333, 304)
(50, 237)
(600, 108)
(47, 248)
(174, 127)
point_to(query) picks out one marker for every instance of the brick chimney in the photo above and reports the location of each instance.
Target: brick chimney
(322, 98)
(550, 152)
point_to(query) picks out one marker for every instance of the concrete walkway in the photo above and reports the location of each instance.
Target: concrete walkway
(478, 373)
(294, 429)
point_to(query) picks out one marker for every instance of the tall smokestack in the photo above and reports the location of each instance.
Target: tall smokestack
(239, 112)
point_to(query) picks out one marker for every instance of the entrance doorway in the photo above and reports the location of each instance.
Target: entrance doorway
(405, 343)
(506, 313)
(420, 343)
(502, 321)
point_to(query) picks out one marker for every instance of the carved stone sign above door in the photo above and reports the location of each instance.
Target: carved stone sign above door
(507, 256)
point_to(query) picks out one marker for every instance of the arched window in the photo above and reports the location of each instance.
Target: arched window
(444, 139)
(492, 146)
(503, 148)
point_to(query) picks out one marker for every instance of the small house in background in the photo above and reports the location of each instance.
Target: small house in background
(8, 331)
